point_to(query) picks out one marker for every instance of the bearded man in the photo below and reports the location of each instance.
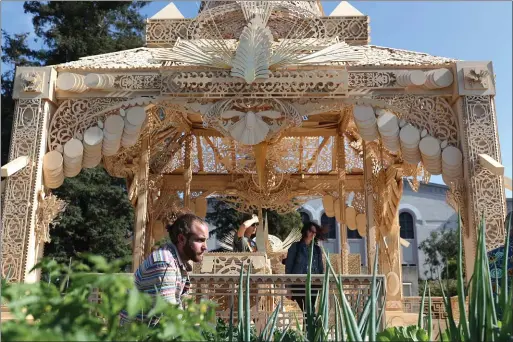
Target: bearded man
(165, 272)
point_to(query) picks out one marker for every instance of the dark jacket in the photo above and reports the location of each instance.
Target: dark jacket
(297, 259)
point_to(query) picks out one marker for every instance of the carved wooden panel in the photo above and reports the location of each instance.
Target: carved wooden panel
(354, 30)
(486, 189)
(18, 214)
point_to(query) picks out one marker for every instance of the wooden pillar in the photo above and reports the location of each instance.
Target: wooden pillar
(141, 212)
(33, 97)
(389, 257)
(341, 169)
(261, 238)
(187, 171)
(370, 239)
(480, 192)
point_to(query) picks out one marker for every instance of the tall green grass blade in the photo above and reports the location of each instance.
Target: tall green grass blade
(488, 283)
(247, 316)
(350, 321)
(363, 319)
(504, 285)
(506, 302)
(430, 323)
(264, 336)
(440, 332)
(240, 312)
(274, 318)
(460, 290)
(337, 321)
(284, 332)
(338, 317)
(309, 310)
(451, 326)
(372, 330)
(324, 299)
(420, 322)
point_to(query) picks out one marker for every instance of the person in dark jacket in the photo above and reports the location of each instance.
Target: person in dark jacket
(297, 261)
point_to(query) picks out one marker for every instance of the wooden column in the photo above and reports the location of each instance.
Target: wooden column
(34, 103)
(480, 192)
(261, 239)
(370, 239)
(187, 171)
(341, 169)
(141, 212)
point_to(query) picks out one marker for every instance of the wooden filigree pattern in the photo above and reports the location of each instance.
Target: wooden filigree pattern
(487, 190)
(20, 198)
(73, 117)
(431, 113)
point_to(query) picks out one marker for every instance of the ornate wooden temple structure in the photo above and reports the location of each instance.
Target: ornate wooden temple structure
(264, 105)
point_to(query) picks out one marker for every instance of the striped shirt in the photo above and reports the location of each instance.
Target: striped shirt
(162, 273)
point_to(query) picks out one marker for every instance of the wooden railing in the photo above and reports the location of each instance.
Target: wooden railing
(266, 291)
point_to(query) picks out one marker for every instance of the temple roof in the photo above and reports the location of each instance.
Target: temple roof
(143, 58)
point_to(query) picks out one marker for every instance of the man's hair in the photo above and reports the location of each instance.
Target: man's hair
(182, 225)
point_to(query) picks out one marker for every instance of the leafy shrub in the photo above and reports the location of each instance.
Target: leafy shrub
(64, 313)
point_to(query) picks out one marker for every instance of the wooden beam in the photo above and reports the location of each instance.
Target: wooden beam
(312, 161)
(224, 182)
(200, 152)
(217, 155)
(508, 183)
(187, 172)
(14, 166)
(491, 165)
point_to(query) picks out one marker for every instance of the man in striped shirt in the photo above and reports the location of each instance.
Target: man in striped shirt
(165, 271)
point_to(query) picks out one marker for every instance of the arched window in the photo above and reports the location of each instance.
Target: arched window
(407, 226)
(330, 222)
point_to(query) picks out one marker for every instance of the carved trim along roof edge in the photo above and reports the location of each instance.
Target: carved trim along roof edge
(143, 58)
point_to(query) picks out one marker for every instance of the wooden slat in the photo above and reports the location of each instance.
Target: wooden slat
(14, 166)
(491, 165)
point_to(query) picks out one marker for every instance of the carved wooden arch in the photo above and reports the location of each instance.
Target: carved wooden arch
(433, 114)
(73, 117)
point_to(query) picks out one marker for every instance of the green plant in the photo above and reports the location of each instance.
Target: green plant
(481, 323)
(63, 312)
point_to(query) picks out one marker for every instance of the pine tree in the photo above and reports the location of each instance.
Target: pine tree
(99, 216)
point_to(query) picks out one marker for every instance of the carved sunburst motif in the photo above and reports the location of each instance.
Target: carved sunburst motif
(254, 56)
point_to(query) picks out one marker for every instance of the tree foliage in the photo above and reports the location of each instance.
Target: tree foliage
(225, 219)
(441, 253)
(98, 215)
(98, 218)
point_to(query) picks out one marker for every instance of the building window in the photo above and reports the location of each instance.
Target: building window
(331, 223)
(353, 234)
(407, 290)
(407, 226)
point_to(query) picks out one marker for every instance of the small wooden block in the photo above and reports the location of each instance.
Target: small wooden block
(491, 165)
(14, 166)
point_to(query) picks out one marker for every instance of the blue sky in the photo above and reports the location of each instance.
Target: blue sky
(466, 30)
